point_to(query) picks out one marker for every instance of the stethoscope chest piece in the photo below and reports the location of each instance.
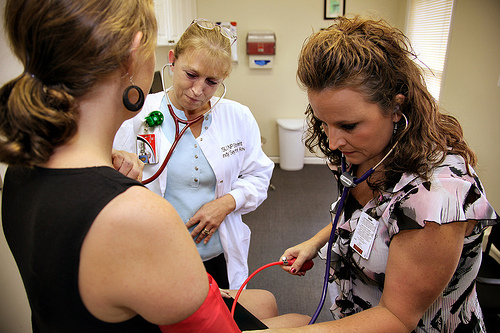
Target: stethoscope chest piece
(347, 179)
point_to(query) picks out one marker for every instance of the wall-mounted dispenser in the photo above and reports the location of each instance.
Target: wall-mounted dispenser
(261, 47)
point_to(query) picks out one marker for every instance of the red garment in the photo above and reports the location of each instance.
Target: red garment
(213, 316)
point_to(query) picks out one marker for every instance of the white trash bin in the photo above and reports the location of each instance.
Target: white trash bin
(292, 148)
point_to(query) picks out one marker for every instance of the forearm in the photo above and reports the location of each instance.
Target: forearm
(306, 250)
(250, 190)
(375, 320)
(321, 238)
(227, 203)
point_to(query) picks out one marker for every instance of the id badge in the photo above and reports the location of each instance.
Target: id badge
(147, 149)
(364, 235)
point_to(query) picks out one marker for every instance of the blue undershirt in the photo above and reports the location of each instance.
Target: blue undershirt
(190, 178)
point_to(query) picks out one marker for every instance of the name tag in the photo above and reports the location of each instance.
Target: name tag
(364, 235)
(147, 149)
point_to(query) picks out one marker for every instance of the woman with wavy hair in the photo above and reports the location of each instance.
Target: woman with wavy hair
(407, 245)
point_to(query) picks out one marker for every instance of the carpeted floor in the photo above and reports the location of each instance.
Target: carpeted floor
(294, 211)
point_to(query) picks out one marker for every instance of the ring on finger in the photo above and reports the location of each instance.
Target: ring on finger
(206, 232)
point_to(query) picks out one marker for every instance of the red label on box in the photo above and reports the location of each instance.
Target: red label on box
(260, 48)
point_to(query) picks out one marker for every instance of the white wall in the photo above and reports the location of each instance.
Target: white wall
(471, 88)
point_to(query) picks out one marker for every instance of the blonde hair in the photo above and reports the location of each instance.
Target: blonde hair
(377, 60)
(215, 46)
(66, 47)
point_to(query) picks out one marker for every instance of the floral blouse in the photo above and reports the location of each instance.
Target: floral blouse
(451, 195)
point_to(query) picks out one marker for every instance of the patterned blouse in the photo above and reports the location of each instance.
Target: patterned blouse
(450, 196)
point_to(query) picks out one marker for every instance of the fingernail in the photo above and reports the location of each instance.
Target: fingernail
(293, 270)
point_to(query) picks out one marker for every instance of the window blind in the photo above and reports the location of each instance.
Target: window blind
(428, 28)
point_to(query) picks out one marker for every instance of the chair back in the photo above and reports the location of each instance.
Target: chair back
(493, 238)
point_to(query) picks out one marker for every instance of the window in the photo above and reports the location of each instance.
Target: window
(428, 28)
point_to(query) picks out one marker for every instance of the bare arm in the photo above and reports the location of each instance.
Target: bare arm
(414, 279)
(138, 258)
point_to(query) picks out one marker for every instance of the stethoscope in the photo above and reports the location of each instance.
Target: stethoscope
(348, 181)
(177, 120)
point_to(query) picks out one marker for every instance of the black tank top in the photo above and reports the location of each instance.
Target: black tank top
(46, 215)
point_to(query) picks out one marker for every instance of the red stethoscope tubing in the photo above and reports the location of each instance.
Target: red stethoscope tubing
(178, 135)
(246, 281)
(305, 267)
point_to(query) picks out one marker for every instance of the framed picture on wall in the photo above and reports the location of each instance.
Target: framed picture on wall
(334, 8)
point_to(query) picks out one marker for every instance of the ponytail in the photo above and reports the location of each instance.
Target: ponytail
(34, 118)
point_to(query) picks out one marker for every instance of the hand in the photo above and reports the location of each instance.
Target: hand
(209, 217)
(128, 164)
(303, 252)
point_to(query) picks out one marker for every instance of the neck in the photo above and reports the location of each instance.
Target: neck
(190, 114)
(100, 116)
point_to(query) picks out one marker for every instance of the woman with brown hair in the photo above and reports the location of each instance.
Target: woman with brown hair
(97, 251)
(406, 246)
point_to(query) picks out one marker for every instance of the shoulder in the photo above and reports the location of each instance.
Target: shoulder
(450, 195)
(233, 112)
(228, 105)
(154, 99)
(152, 103)
(452, 167)
(139, 211)
(139, 237)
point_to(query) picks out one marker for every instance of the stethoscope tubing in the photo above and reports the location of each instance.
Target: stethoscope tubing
(178, 134)
(349, 182)
(177, 138)
(340, 206)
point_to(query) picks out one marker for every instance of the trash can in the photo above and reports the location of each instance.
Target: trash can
(292, 148)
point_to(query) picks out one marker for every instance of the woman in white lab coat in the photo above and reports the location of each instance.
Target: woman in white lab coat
(218, 171)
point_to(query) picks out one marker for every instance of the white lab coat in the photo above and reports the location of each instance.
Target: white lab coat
(232, 146)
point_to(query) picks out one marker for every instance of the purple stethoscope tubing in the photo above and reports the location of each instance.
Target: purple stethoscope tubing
(345, 191)
(349, 182)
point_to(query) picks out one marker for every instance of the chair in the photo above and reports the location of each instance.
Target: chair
(488, 282)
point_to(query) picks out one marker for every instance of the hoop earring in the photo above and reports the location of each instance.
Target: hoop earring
(133, 107)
